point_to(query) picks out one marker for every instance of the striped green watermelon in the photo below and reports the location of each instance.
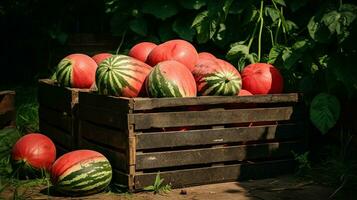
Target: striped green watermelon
(170, 79)
(76, 71)
(121, 75)
(81, 172)
(216, 77)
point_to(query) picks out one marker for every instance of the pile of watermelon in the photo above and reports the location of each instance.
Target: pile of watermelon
(77, 173)
(171, 69)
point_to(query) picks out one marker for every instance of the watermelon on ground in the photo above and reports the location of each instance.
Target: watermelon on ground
(81, 172)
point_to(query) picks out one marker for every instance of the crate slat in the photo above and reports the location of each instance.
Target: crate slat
(55, 97)
(106, 102)
(7, 109)
(59, 136)
(108, 117)
(190, 177)
(216, 154)
(113, 137)
(217, 136)
(57, 118)
(7, 101)
(152, 103)
(214, 117)
(117, 159)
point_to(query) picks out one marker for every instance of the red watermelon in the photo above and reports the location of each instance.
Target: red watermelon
(170, 79)
(141, 50)
(262, 78)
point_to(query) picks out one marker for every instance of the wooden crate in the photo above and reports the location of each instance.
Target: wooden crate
(227, 138)
(7, 109)
(58, 108)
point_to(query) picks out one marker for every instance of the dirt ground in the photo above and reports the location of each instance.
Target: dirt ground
(282, 188)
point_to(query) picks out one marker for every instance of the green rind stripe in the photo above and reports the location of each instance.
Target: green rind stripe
(159, 86)
(64, 72)
(103, 165)
(115, 73)
(87, 184)
(83, 174)
(215, 84)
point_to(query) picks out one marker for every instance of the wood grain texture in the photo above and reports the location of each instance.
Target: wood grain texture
(54, 96)
(216, 154)
(218, 136)
(57, 135)
(199, 176)
(121, 104)
(114, 138)
(197, 118)
(56, 118)
(152, 103)
(122, 178)
(107, 117)
(7, 101)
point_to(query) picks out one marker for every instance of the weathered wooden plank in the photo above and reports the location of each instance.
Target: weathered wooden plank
(54, 96)
(110, 137)
(121, 104)
(196, 118)
(117, 159)
(121, 178)
(56, 118)
(58, 135)
(199, 176)
(108, 117)
(7, 118)
(216, 154)
(152, 103)
(7, 101)
(218, 136)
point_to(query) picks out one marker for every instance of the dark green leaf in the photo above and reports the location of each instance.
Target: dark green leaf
(237, 50)
(182, 26)
(324, 111)
(273, 13)
(275, 52)
(247, 59)
(290, 57)
(318, 31)
(281, 2)
(250, 16)
(139, 26)
(290, 26)
(205, 26)
(199, 18)
(303, 45)
(161, 9)
(226, 6)
(192, 4)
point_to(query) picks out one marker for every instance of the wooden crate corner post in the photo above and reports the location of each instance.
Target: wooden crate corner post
(7, 109)
(58, 113)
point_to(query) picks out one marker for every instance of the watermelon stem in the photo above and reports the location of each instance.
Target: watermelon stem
(261, 19)
(121, 43)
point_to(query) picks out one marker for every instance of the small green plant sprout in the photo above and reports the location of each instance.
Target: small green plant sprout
(158, 187)
(303, 162)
